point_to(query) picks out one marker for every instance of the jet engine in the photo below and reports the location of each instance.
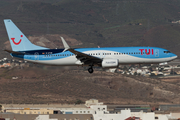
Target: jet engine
(110, 63)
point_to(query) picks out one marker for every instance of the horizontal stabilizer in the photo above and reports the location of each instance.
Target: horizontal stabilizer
(17, 53)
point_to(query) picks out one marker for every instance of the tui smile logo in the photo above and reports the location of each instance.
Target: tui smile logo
(16, 43)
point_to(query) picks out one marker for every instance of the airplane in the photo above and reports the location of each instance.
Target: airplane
(107, 57)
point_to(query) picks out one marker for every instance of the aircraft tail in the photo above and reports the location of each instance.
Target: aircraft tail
(18, 41)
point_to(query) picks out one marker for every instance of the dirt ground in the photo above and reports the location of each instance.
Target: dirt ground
(66, 85)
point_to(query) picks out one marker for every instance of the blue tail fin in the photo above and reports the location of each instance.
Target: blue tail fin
(18, 40)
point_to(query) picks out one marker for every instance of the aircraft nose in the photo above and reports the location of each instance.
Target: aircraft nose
(174, 56)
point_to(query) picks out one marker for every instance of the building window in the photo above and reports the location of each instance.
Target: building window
(80, 111)
(88, 111)
(156, 118)
(84, 111)
(76, 111)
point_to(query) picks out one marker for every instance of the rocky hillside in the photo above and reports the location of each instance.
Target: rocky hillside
(105, 23)
(56, 85)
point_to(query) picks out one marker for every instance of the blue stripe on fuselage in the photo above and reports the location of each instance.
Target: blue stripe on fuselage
(52, 54)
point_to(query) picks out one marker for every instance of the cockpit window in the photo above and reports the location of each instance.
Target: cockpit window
(167, 52)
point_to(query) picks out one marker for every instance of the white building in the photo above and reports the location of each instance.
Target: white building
(99, 112)
(44, 117)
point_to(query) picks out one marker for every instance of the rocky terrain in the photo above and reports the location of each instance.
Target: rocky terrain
(57, 85)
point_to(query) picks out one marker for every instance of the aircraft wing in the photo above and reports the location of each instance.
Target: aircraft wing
(17, 53)
(87, 59)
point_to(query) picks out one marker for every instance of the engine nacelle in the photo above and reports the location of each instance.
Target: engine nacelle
(110, 63)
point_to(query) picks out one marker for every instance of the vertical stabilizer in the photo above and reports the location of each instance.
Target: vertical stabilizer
(19, 42)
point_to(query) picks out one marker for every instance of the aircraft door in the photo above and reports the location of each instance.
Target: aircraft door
(156, 53)
(36, 56)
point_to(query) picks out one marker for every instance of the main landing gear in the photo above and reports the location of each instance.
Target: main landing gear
(90, 70)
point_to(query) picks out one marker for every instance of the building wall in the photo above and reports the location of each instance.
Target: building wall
(122, 116)
(174, 115)
(99, 109)
(143, 116)
(41, 111)
(162, 117)
(47, 117)
(77, 110)
(148, 116)
(44, 117)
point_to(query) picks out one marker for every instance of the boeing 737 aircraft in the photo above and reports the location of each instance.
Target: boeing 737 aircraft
(108, 57)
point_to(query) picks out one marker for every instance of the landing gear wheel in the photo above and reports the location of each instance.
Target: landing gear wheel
(90, 70)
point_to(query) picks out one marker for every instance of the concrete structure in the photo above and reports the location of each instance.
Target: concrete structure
(92, 111)
(90, 102)
(44, 117)
(29, 111)
(174, 116)
(11, 116)
(120, 116)
(167, 107)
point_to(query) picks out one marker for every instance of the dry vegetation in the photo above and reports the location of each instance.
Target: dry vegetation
(55, 85)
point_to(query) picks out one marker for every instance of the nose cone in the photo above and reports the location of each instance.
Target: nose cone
(174, 56)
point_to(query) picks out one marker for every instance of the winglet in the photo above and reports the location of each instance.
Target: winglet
(66, 46)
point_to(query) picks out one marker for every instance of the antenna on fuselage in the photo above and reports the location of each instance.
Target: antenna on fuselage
(66, 46)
